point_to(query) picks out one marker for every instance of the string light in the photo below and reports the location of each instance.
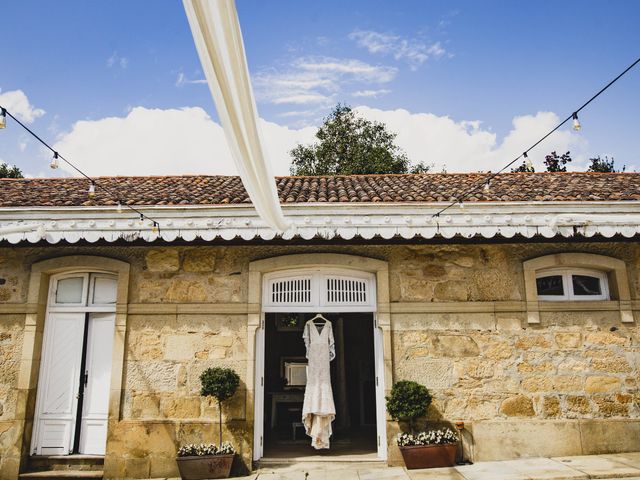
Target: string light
(155, 228)
(141, 221)
(527, 162)
(487, 185)
(461, 205)
(576, 122)
(54, 161)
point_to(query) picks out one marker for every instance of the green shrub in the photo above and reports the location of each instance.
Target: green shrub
(221, 384)
(408, 401)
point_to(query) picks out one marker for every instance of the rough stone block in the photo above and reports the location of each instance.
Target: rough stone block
(199, 261)
(145, 406)
(518, 406)
(598, 384)
(182, 407)
(568, 340)
(163, 260)
(610, 436)
(505, 440)
(455, 346)
(179, 347)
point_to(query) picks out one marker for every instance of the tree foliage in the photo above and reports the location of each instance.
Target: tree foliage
(408, 401)
(347, 145)
(526, 167)
(557, 163)
(604, 165)
(221, 384)
(10, 172)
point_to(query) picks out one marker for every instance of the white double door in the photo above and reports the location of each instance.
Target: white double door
(75, 375)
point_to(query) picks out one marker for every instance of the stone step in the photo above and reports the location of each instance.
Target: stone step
(63, 474)
(39, 463)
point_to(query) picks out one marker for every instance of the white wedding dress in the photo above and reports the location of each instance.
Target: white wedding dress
(318, 410)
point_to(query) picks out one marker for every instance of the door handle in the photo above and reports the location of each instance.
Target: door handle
(86, 378)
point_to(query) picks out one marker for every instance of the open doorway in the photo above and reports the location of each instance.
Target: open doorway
(353, 375)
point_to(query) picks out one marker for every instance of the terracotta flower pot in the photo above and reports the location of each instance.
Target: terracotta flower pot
(205, 466)
(429, 456)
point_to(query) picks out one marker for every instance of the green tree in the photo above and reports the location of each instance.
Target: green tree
(221, 384)
(603, 165)
(557, 163)
(408, 402)
(10, 172)
(348, 144)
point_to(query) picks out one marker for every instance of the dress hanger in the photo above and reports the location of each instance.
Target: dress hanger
(318, 317)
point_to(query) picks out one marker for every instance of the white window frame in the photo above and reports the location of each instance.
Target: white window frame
(319, 300)
(567, 284)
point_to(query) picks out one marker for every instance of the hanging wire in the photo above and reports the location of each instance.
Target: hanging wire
(573, 116)
(93, 183)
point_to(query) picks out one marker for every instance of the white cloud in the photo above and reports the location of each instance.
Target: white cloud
(166, 142)
(117, 60)
(371, 93)
(317, 80)
(18, 104)
(415, 52)
(182, 80)
(188, 141)
(465, 146)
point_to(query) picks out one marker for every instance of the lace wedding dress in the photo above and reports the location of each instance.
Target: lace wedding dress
(318, 410)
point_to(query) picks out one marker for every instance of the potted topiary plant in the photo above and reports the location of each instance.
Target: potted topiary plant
(427, 449)
(201, 461)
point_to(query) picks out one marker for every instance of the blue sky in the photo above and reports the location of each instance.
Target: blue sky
(118, 87)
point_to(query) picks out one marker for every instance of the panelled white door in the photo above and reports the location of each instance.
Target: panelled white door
(381, 417)
(95, 408)
(58, 386)
(76, 302)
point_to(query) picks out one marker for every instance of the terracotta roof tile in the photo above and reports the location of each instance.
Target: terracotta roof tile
(221, 190)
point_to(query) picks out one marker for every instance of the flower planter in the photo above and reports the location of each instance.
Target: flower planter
(429, 456)
(205, 466)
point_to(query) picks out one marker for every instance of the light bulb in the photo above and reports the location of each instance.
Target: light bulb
(461, 204)
(3, 118)
(92, 189)
(154, 229)
(487, 185)
(54, 161)
(141, 221)
(119, 207)
(527, 162)
(576, 123)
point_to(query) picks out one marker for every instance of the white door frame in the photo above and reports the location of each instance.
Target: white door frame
(83, 308)
(318, 303)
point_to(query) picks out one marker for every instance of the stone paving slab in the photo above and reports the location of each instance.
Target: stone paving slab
(543, 469)
(597, 466)
(389, 473)
(435, 474)
(490, 471)
(632, 458)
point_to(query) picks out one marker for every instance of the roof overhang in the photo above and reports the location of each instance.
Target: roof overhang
(323, 220)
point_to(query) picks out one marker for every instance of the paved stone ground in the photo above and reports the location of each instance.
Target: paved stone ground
(621, 465)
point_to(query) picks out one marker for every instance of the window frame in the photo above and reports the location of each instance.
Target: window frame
(567, 284)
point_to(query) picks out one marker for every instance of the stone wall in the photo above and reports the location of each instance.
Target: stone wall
(458, 319)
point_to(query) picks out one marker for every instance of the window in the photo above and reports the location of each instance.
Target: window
(572, 284)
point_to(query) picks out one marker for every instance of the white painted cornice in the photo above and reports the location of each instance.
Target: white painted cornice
(324, 220)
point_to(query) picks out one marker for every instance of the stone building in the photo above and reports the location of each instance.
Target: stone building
(518, 310)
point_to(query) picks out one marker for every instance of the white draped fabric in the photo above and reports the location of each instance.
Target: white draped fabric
(318, 410)
(216, 32)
